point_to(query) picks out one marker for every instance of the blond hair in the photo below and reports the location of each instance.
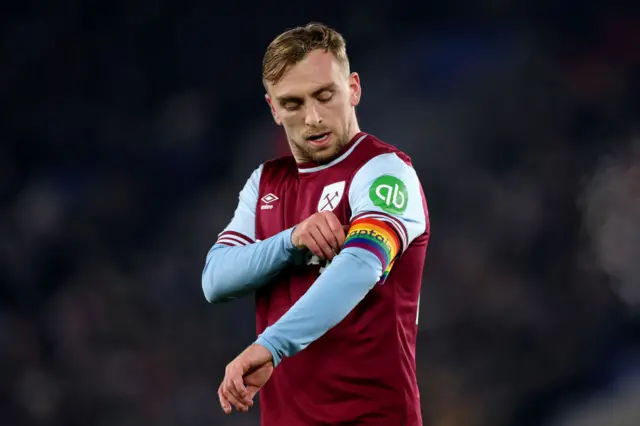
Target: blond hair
(293, 45)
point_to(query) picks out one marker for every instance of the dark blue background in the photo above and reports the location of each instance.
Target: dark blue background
(128, 129)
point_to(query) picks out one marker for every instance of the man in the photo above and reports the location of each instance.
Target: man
(336, 311)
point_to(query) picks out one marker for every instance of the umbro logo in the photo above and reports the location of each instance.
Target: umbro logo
(267, 200)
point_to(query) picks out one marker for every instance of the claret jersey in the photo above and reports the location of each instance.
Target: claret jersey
(362, 371)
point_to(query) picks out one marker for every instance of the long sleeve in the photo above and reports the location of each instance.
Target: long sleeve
(234, 271)
(342, 285)
(237, 264)
(388, 214)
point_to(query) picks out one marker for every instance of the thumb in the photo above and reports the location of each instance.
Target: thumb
(252, 390)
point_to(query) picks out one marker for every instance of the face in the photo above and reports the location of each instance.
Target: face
(314, 102)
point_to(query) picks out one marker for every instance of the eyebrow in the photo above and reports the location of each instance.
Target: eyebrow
(328, 86)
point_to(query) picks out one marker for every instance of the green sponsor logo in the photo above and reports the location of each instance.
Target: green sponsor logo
(390, 194)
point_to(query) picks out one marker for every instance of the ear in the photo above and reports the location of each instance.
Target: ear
(273, 110)
(355, 90)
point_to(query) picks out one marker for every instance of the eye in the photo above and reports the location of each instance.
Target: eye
(291, 106)
(325, 96)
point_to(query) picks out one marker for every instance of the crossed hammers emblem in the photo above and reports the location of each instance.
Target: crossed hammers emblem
(329, 201)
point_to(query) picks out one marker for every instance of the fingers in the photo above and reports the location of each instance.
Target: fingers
(232, 392)
(325, 248)
(337, 232)
(236, 395)
(312, 245)
(227, 400)
(224, 402)
(322, 234)
(237, 403)
(252, 391)
(240, 391)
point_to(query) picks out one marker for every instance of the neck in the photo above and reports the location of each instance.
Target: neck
(355, 129)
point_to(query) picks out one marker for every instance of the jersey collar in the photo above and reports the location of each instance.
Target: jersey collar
(311, 167)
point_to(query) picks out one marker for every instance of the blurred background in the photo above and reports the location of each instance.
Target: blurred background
(129, 127)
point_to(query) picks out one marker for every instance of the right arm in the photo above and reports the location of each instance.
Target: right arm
(237, 265)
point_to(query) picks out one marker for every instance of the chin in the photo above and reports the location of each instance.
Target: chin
(326, 155)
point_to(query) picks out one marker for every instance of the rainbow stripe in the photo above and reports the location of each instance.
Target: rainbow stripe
(376, 236)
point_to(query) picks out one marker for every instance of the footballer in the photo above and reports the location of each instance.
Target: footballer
(331, 241)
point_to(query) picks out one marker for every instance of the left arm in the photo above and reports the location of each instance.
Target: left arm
(388, 213)
(342, 285)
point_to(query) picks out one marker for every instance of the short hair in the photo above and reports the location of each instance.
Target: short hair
(293, 45)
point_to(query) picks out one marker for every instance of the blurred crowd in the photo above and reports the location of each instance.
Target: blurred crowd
(129, 129)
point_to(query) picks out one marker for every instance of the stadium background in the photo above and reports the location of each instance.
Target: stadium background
(129, 128)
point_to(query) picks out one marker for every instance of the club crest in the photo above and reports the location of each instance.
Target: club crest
(331, 196)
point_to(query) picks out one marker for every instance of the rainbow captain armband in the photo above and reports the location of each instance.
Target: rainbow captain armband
(377, 237)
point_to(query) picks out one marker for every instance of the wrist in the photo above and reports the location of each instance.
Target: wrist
(258, 354)
(291, 239)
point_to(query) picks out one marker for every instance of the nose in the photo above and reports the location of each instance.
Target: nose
(313, 118)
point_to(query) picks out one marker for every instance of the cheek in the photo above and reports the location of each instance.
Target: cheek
(289, 119)
(292, 122)
(337, 112)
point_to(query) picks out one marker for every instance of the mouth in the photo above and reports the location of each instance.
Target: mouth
(319, 139)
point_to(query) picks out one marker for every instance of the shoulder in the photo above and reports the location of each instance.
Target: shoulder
(284, 165)
(385, 168)
(374, 148)
(386, 187)
(273, 170)
(378, 156)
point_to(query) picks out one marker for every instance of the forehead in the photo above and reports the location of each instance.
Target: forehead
(317, 69)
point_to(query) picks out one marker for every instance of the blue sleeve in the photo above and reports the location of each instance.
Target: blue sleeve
(241, 230)
(234, 271)
(342, 285)
(388, 189)
(237, 264)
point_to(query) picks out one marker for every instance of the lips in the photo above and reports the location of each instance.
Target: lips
(319, 138)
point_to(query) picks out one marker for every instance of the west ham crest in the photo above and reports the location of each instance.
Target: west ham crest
(331, 196)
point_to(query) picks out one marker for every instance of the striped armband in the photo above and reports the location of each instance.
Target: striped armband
(376, 236)
(232, 238)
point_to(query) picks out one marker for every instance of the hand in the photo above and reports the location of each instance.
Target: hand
(244, 376)
(322, 233)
